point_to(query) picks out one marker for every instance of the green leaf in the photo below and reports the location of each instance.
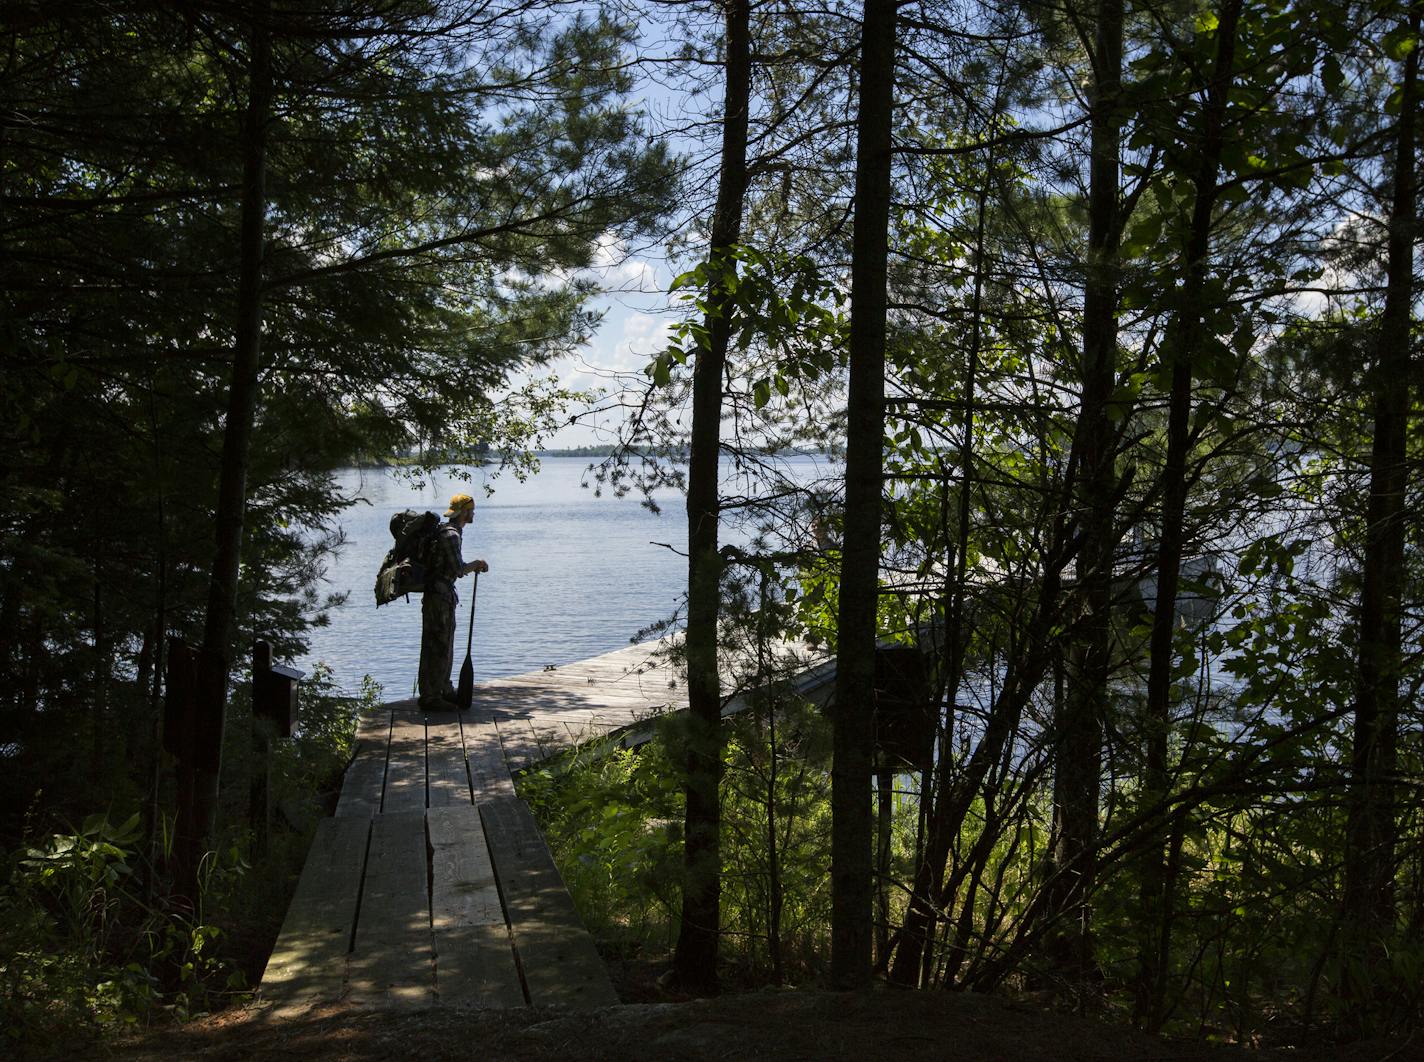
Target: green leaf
(1399, 42)
(761, 393)
(1120, 404)
(1331, 76)
(1243, 338)
(1143, 235)
(1207, 21)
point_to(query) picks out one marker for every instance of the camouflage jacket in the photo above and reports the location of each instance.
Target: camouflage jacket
(446, 562)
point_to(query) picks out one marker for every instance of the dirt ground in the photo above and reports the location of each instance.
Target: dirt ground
(774, 1025)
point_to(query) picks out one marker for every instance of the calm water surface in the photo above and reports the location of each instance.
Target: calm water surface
(571, 575)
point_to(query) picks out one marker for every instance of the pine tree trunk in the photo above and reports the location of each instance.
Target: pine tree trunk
(852, 822)
(695, 957)
(1371, 832)
(1078, 762)
(220, 628)
(1180, 345)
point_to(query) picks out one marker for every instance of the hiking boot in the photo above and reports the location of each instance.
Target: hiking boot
(439, 704)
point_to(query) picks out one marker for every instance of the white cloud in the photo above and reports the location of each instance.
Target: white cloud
(643, 336)
(639, 325)
(635, 327)
(638, 274)
(608, 251)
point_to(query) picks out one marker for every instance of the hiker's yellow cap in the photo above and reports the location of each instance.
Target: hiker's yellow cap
(460, 503)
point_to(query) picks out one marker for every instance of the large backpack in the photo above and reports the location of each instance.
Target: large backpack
(403, 571)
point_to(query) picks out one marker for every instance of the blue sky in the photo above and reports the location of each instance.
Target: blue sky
(636, 317)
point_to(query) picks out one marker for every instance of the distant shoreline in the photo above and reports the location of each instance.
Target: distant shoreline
(574, 451)
(577, 451)
(682, 455)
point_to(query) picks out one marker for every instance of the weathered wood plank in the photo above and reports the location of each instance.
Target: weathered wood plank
(405, 762)
(447, 781)
(405, 767)
(640, 682)
(474, 957)
(308, 962)
(552, 697)
(517, 739)
(561, 966)
(554, 738)
(489, 772)
(627, 657)
(582, 731)
(589, 711)
(366, 776)
(392, 960)
(550, 736)
(548, 690)
(614, 717)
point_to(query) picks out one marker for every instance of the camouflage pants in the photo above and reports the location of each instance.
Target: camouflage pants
(437, 642)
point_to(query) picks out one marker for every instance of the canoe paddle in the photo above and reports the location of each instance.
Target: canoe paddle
(465, 694)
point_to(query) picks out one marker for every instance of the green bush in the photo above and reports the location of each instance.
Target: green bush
(81, 946)
(614, 821)
(89, 942)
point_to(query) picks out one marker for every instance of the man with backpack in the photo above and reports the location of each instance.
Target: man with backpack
(444, 564)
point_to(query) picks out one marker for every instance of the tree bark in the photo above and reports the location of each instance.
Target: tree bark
(1078, 764)
(852, 825)
(695, 957)
(220, 626)
(1371, 831)
(1180, 344)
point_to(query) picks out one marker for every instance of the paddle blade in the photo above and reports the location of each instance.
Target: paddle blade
(466, 691)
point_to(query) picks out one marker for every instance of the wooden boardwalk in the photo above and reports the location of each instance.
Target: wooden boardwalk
(432, 884)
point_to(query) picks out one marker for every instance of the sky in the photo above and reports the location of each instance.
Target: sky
(637, 310)
(636, 320)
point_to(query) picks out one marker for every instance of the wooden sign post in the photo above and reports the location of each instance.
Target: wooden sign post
(274, 715)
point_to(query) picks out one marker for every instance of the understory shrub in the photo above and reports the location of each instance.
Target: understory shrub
(81, 944)
(613, 818)
(89, 939)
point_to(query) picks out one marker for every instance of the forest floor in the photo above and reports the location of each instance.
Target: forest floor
(777, 1025)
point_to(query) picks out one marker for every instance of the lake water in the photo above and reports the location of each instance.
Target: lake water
(571, 575)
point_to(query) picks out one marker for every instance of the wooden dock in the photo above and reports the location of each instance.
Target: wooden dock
(432, 885)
